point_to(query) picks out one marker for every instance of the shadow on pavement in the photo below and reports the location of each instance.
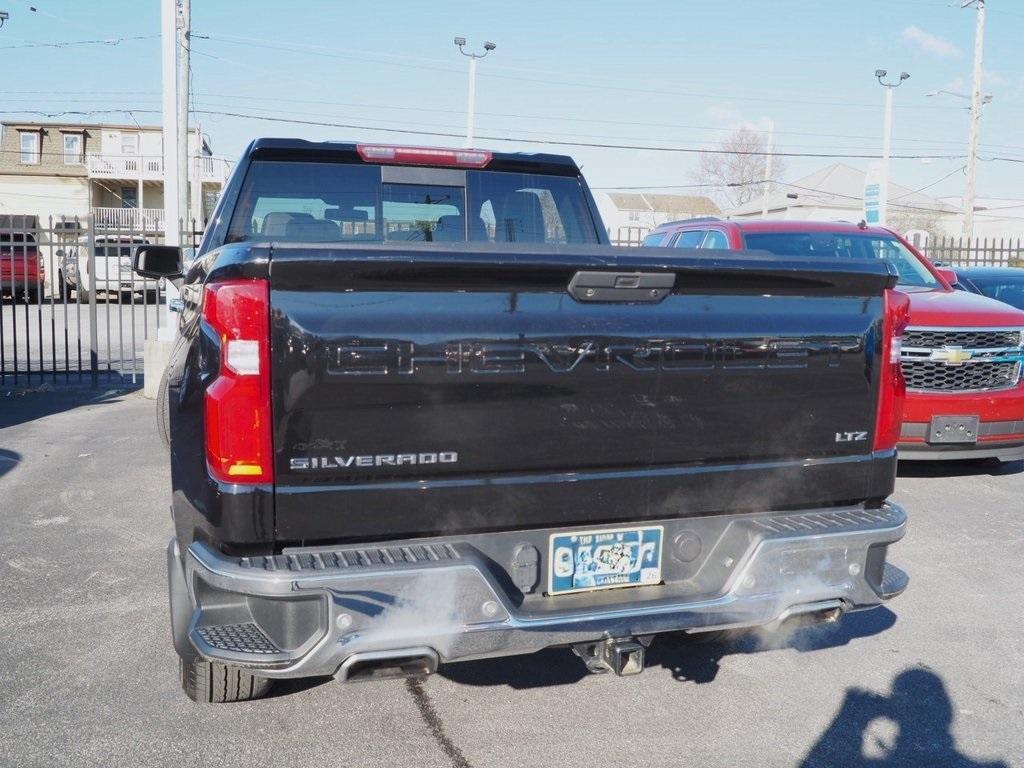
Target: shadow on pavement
(909, 727)
(688, 657)
(992, 467)
(298, 685)
(20, 405)
(8, 461)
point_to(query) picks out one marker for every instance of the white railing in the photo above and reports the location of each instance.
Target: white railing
(213, 168)
(129, 218)
(149, 167)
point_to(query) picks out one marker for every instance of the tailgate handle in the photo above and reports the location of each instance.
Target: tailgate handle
(648, 287)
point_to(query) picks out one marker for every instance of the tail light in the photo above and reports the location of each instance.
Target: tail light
(892, 387)
(238, 437)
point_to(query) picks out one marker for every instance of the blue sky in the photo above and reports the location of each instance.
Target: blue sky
(669, 74)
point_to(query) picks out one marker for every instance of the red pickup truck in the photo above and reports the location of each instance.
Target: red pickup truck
(21, 272)
(962, 354)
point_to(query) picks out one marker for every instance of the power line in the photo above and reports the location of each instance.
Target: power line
(505, 115)
(69, 43)
(929, 186)
(553, 142)
(523, 140)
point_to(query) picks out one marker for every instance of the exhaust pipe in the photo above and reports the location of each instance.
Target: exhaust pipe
(389, 665)
(809, 614)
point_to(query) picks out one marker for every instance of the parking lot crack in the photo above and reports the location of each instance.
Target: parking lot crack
(433, 721)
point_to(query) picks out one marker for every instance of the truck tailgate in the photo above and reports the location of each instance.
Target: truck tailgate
(418, 391)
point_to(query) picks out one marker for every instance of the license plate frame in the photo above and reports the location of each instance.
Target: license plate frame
(962, 430)
(635, 562)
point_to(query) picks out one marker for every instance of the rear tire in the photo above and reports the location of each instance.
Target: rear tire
(163, 415)
(33, 295)
(208, 682)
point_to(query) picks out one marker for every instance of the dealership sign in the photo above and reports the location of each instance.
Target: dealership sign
(875, 193)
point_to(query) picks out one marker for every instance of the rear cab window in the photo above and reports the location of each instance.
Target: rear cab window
(349, 202)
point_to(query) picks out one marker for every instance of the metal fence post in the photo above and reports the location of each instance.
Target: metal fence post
(94, 343)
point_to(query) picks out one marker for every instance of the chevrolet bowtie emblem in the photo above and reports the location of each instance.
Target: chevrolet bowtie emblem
(951, 355)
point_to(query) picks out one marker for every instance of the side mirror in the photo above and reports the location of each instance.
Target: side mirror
(949, 275)
(157, 261)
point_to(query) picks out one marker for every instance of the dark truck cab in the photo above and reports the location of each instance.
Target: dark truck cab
(421, 412)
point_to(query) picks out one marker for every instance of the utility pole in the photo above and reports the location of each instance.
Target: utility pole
(768, 169)
(183, 42)
(976, 103)
(169, 102)
(460, 42)
(168, 70)
(883, 192)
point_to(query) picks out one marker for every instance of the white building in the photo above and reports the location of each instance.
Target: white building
(114, 172)
(628, 216)
(995, 218)
(836, 192)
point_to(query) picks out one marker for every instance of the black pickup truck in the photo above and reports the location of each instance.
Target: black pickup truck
(420, 411)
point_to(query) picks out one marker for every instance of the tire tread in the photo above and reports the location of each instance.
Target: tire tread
(208, 682)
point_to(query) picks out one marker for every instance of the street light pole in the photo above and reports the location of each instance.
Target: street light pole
(460, 42)
(976, 104)
(883, 193)
(471, 101)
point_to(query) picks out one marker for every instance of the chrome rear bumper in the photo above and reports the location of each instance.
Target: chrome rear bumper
(319, 611)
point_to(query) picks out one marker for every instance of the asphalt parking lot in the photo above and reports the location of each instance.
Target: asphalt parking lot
(88, 675)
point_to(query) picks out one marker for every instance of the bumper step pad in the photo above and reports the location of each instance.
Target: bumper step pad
(237, 638)
(894, 582)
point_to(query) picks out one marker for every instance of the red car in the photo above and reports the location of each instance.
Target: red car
(962, 354)
(21, 273)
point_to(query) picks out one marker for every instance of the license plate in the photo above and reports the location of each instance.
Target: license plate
(953, 429)
(589, 560)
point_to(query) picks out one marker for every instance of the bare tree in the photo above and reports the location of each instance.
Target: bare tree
(737, 169)
(907, 218)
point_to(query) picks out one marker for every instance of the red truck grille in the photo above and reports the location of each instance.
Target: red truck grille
(962, 360)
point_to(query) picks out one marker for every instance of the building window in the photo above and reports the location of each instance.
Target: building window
(129, 143)
(634, 215)
(73, 149)
(30, 147)
(129, 197)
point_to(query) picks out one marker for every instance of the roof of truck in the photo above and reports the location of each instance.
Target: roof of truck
(778, 225)
(783, 225)
(535, 162)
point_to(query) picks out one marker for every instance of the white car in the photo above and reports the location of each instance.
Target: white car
(114, 273)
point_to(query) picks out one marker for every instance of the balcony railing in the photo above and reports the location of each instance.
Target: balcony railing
(129, 218)
(145, 167)
(151, 167)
